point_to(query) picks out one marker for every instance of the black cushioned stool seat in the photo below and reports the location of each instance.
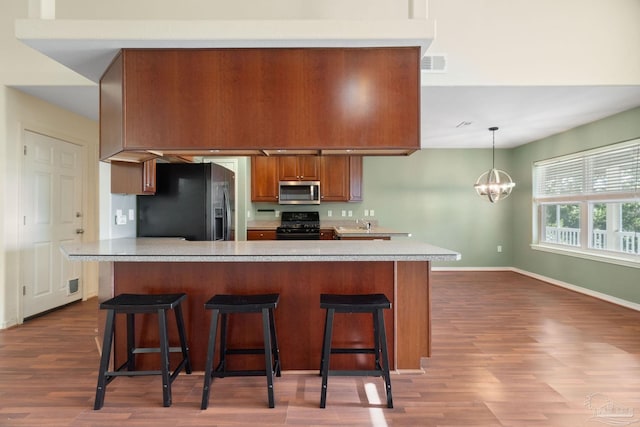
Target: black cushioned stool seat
(360, 303)
(132, 304)
(223, 305)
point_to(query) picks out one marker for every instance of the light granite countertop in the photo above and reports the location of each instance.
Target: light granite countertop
(180, 250)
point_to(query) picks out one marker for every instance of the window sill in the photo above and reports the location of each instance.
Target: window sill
(615, 258)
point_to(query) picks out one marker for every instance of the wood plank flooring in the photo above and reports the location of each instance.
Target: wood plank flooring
(508, 350)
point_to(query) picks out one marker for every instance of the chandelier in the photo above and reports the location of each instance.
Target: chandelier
(494, 184)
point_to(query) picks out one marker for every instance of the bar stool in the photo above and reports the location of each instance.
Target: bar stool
(132, 304)
(363, 303)
(222, 306)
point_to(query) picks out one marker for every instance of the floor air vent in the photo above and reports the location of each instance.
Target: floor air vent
(436, 63)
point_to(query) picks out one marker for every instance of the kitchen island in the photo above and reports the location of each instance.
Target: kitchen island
(298, 270)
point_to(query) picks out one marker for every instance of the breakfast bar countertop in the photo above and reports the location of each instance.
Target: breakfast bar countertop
(180, 250)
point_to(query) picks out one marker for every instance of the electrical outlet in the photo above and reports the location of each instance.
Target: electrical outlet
(350, 213)
(499, 248)
(344, 213)
(366, 212)
(329, 212)
(371, 213)
(132, 215)
(248, 214)
(277, 214)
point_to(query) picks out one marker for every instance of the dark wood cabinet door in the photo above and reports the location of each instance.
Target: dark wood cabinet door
(264, 179)
(355, 178)
(299, 168)
(334, 182)
(133, 178)
(326, 234)
(341, 178)
(149, 176)
(261, 234)
(309, 168)
(288, 168)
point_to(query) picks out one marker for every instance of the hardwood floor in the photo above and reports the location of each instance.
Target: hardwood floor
(508, 350)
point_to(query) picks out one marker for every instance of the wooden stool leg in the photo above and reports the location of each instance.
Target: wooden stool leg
(164, 357)
(324, 343)
(326, 354)
(222, 364)
(183, 338)
(376, 340)
(208, 368)
(268, 350)
(385, 356)
(275, 348)
(104, 360)
(131, 342)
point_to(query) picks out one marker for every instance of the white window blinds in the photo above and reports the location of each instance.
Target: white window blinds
(611, 170)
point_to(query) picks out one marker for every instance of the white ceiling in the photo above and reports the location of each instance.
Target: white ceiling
(523, 113)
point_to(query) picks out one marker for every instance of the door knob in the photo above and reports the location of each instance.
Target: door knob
(79, 231)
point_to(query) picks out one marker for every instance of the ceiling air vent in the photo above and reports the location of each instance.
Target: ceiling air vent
(434, 63)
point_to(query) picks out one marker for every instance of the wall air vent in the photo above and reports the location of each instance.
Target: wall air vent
(436, 63)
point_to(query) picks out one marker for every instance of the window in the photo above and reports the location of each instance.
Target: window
(588, 203)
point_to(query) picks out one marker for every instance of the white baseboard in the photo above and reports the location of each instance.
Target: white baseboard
(8, 324)
(579, 289)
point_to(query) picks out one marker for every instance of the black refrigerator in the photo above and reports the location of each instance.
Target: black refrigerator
(192, 200)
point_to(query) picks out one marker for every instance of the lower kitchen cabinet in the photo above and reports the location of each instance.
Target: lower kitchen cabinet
(261, 234)
(326, 234)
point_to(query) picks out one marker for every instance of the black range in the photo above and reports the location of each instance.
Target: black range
(299, 226)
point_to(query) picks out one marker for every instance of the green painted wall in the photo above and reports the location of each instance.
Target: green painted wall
(618, 281)
(430, 194)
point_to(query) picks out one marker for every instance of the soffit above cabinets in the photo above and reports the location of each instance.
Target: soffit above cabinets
(89, 46)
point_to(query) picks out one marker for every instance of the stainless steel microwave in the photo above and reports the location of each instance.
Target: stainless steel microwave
(299, 193)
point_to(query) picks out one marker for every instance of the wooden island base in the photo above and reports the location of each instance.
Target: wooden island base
(299, 319)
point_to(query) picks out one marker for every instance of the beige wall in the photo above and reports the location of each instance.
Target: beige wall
(26, 112)
(542, 42)
(239, 9)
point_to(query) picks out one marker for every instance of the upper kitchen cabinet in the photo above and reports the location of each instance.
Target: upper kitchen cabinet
(299, 168)
(264, 179)
(341, 178)
(133, 178)
(159, 101)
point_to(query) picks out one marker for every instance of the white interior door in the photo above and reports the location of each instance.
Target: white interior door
(51, 214)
